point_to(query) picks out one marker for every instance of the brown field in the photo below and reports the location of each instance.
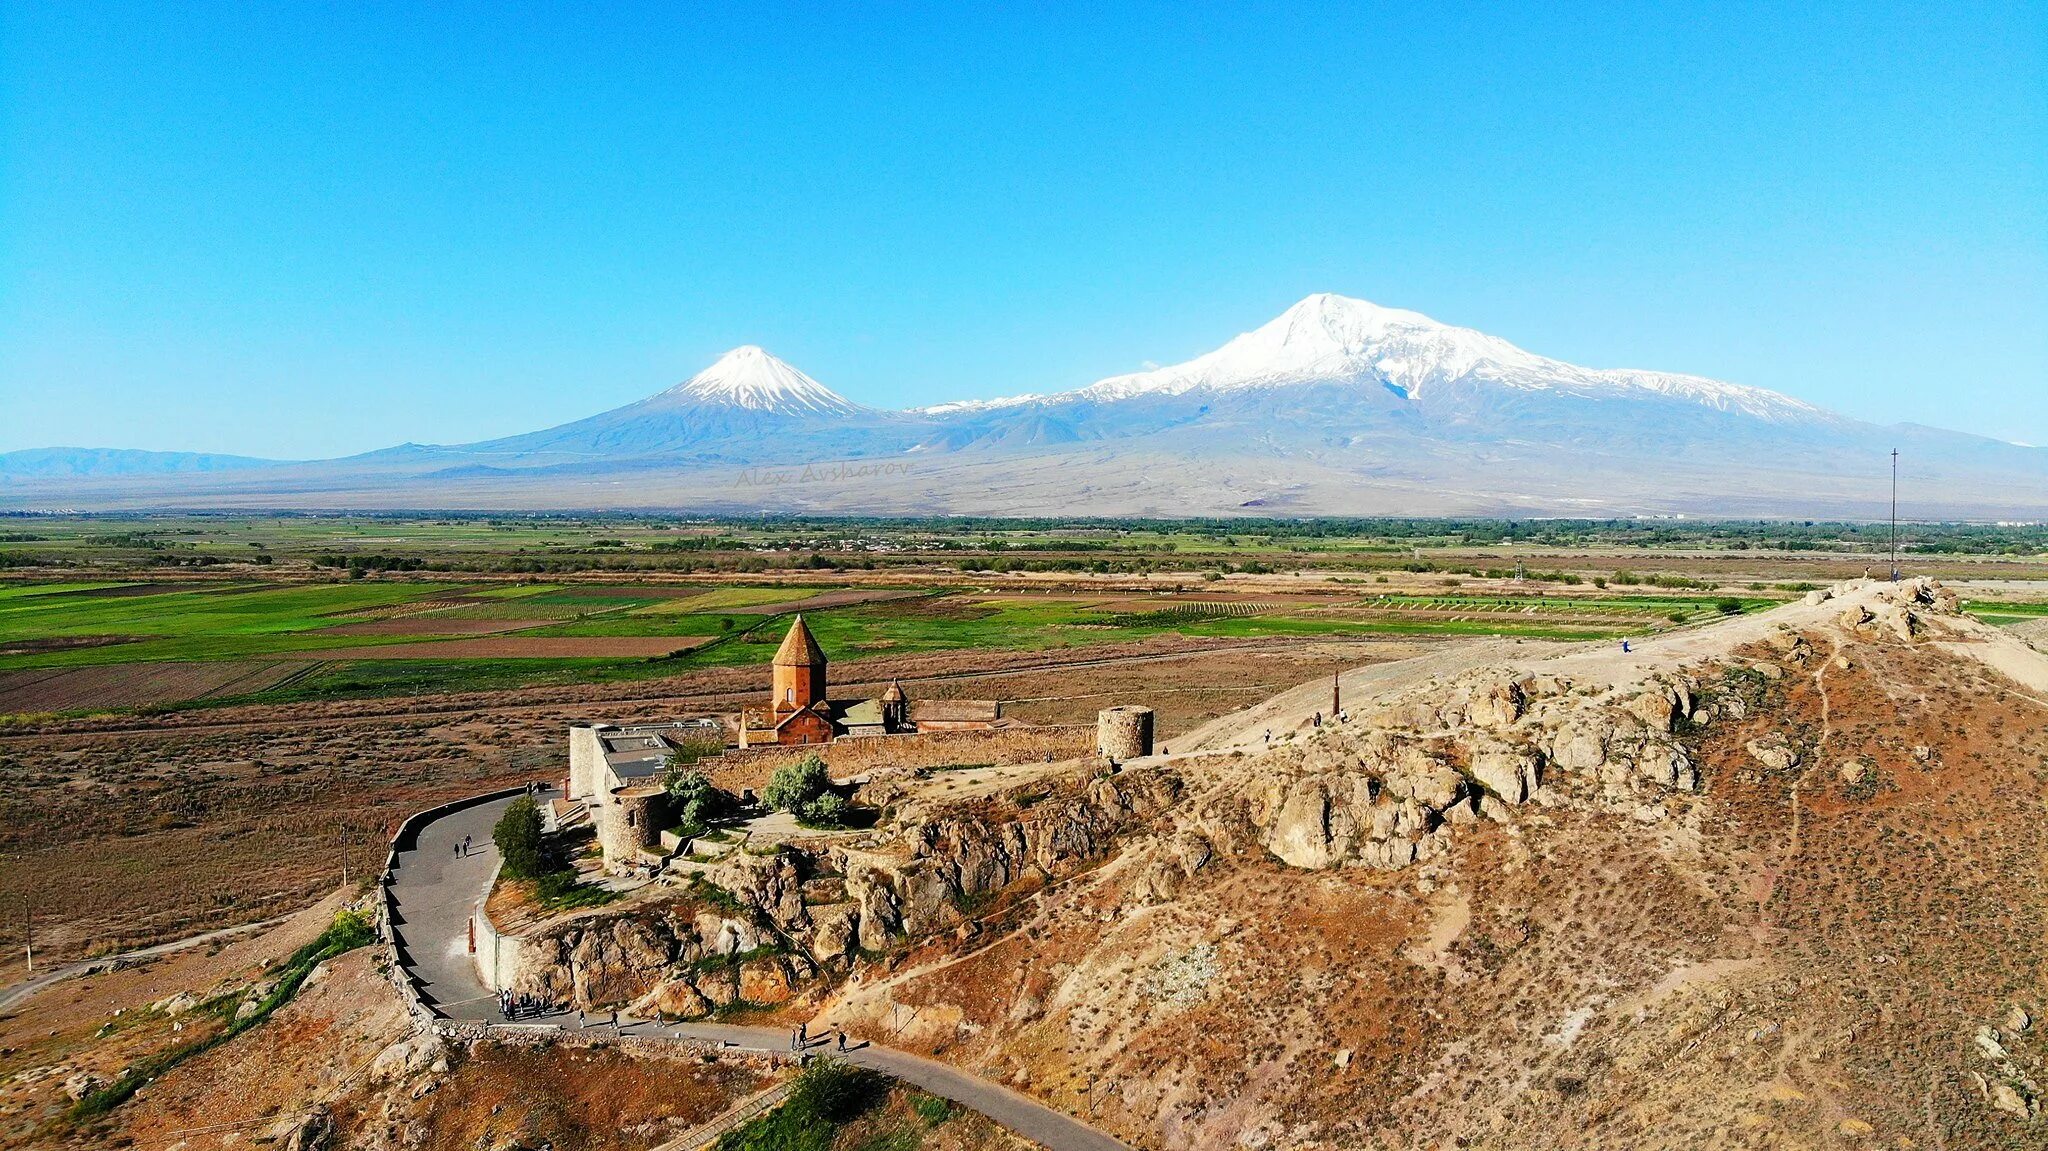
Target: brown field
(128, 830)
(432, 625)
(519, 647)
(133, 685)
(840, 598)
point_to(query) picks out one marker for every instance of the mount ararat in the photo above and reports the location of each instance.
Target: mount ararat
(1336, 407)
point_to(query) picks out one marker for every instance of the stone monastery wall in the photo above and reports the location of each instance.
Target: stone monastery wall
(750, 768)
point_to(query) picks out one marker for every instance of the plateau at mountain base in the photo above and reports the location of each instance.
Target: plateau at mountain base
(1772, 881)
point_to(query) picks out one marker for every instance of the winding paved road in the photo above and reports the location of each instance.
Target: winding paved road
(435, 890)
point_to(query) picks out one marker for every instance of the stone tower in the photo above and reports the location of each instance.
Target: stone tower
(1124, 732)
(799, 672)
(895, 708)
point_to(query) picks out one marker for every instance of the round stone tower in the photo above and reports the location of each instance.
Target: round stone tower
(1124, 732)
(630, 822)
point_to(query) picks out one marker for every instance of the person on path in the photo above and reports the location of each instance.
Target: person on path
(615, 1021)
(841, 1037)
(1624, 647)
(465, 845)
(580, 1024)
(1269, 737)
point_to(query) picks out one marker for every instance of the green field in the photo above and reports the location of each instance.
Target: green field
(107, 624)
(296, 607)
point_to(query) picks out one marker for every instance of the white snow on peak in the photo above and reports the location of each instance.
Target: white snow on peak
(1332, 338)
(749, 377)
(963, 407)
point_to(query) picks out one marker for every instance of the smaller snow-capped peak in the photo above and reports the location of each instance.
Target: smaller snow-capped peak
(749, 377)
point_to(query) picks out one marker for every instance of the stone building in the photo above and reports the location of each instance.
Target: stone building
(799, 713)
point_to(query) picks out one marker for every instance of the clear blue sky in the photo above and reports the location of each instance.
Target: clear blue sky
(308, 230)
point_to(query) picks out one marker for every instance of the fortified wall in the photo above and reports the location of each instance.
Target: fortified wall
(750, 768)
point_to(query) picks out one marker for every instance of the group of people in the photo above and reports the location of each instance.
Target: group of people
(521, 1005)
(800, 1037)
(462, 847)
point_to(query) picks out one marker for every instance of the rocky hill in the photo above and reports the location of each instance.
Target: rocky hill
(1773, 882)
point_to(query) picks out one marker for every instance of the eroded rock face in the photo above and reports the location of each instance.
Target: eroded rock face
(667, 955)
(1908, 609)
(1382, 790)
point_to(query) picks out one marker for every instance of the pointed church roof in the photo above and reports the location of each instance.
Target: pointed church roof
(895, 692)
(798, 648)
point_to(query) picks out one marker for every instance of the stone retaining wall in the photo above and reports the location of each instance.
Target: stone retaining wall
(750, 768)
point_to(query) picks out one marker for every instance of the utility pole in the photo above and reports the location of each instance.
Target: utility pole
(1895, 516)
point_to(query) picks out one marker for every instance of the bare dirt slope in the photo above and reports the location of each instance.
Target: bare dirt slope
(1774, 882)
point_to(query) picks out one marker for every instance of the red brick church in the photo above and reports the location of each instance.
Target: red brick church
(798, 712)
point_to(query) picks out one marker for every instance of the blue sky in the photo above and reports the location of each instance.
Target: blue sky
(306, 230)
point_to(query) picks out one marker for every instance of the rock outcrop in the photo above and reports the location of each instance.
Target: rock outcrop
(1378, 791)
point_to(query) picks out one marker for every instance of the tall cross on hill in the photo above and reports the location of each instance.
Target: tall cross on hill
(1895, 516)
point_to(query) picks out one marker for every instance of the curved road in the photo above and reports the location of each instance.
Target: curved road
(435, 890)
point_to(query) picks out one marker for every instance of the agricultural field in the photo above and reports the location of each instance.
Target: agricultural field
(108, 645)
(123, 613)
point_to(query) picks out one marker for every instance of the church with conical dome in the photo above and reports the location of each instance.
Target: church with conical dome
(799, 713)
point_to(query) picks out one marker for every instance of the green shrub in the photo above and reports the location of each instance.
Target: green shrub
(827, 1095)
(804, 789)
(827, 810)
(697, 803)
(519, 840)
(932, 1109)
(795, 783)
(1729, 606)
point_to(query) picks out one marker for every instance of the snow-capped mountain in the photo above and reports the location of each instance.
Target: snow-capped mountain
(748, 406)
(1328, 338)
(748, 377)
(1336, 406)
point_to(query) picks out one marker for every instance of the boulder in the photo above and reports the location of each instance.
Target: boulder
(176, 1005)
(769, 883)
(313, 1133)
(1505, 770)
(1495, 704)
(1306, 830)
(764, 981)
(1772, 752)
(675, 999)
(835, 929)
(1580, 745)
(1656, 708)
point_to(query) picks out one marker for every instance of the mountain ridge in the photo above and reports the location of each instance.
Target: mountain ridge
(1337, 405)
